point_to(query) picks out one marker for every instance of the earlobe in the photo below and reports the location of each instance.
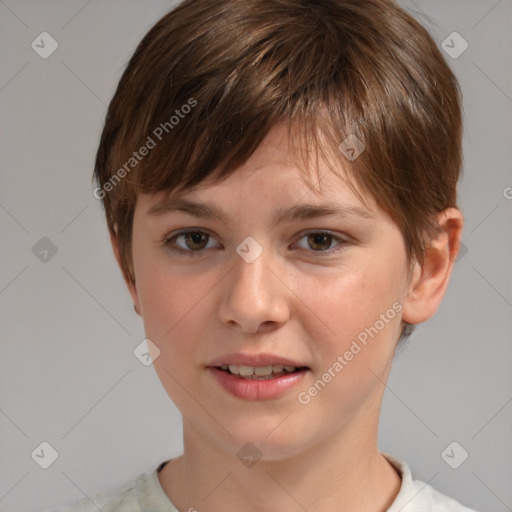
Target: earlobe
(430, 280)
(130, 283)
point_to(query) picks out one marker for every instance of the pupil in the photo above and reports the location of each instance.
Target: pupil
(320, 239)
(195, 237)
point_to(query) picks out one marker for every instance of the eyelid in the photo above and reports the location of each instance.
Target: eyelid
(342, 240)
(167, 240)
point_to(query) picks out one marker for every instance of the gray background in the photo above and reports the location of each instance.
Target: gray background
(68, 375)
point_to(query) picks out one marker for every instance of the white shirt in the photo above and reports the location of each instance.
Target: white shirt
(145, 494)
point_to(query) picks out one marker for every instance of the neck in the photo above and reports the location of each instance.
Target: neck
(345, 472)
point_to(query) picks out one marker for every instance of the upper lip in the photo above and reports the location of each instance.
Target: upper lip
(262, 359)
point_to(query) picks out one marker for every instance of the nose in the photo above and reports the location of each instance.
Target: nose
(254, 295)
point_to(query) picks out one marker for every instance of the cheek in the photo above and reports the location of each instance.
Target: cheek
(356, 342)
(165, 301)
(169, 295)
(172, 306)
(360, 304)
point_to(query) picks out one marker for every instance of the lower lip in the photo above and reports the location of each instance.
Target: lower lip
(257, 389)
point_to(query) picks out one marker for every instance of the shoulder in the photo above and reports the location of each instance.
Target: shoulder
(417, 496)
(443, 503)
(140, 494)
(121, 498)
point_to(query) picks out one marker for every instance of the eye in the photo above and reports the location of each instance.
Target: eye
(194, 241)
(321, 241)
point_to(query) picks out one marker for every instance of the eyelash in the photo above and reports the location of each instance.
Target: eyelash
(167, 242)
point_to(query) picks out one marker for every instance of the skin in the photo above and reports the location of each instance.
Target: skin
(294, 300)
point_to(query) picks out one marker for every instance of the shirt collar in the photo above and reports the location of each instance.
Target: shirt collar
(412, 496)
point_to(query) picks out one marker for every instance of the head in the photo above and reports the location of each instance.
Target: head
(254, 108)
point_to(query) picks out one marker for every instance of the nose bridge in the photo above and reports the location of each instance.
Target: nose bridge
(250, 280)
(253, 294)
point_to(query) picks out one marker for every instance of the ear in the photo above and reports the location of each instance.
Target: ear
(429, 281)
(130, 283)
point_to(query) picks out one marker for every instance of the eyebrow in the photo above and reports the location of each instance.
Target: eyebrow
(301, 211)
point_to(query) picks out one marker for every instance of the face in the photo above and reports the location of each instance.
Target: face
(319, 292)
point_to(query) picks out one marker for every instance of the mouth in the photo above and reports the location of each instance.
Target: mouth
(261, 376)
(260, 372)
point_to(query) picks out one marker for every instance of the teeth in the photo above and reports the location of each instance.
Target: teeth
(247, 371)
(233, 368)
(262, 370)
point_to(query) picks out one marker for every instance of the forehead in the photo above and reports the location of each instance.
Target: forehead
(276, 174)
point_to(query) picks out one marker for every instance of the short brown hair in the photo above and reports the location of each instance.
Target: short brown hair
(327, 68)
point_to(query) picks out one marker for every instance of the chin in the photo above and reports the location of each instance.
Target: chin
(263, 443)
